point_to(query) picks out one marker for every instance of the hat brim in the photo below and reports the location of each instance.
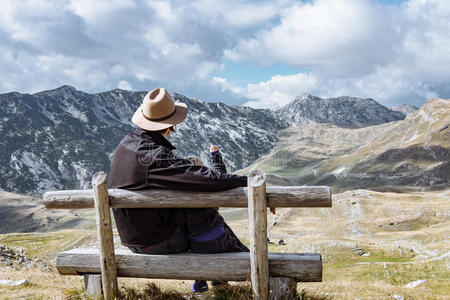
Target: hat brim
(180, 114)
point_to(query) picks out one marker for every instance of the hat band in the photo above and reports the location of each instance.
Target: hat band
(158, 119)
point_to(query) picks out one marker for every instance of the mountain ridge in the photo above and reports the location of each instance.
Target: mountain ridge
(344, 111)
(413, 152)
(56, 139)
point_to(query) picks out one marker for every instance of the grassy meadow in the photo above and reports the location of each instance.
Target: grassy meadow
(373, 244)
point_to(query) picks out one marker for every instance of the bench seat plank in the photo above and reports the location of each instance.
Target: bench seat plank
(221, 266)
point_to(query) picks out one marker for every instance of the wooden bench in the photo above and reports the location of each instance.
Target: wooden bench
(273, 275)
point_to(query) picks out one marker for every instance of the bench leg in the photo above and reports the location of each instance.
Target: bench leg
(282, 288)
(93, 285)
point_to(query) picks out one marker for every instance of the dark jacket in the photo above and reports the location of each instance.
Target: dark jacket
(143, 160)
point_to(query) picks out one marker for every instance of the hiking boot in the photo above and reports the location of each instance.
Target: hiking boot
(199, 286)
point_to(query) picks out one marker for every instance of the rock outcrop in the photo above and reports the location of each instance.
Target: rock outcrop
(18, 259)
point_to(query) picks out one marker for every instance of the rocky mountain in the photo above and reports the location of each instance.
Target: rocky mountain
(405, 109)
(410, 152)
(59, 138)
(348, 112)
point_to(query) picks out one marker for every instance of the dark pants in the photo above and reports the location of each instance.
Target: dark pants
(194, 222)
(227, 242)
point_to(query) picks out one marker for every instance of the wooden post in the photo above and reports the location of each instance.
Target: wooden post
(282, 288)
(257, 227)
(93, 285)
(105, 236)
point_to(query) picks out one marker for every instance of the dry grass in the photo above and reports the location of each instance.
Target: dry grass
(47, 245)
(233, 291)
(340, 282)
(236, 291)
(44, 285)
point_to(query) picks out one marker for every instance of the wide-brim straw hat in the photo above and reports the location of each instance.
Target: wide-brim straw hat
(158, 111)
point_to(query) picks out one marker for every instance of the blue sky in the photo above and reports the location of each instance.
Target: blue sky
(256, 53)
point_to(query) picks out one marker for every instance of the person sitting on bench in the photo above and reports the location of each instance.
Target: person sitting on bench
(144, 160)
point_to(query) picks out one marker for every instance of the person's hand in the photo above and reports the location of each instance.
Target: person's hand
(213, 148)
(272, 209)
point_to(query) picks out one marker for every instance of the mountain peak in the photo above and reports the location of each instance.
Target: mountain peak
(304, 96)
(342, 111)
(405, 108)
(299, 98)
(436, 106)
(118, 91)
(65, 89)
(67, 86)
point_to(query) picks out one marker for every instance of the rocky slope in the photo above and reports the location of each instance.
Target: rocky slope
(346, 112)
(411, 152)
(57, 139)
(405, 109)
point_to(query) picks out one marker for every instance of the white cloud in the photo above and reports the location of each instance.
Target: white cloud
(238, 14)
(99, 11)
(342, 36)
(359, 48)
(394, 54)
(275, 92)
(227, 86)
(94, 45)
(386, 86)
(125, 85)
